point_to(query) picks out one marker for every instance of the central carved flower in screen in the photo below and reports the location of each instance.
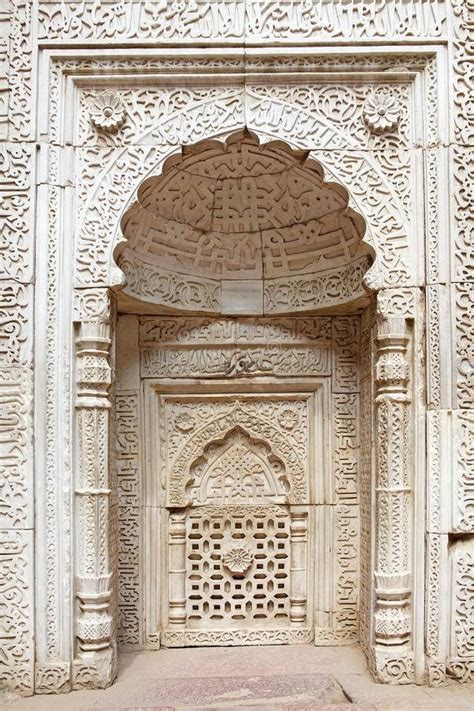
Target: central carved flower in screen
(238, 560)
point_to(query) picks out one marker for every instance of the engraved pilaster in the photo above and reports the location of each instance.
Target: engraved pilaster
(95, 645)
(393, 578)
(298, 570)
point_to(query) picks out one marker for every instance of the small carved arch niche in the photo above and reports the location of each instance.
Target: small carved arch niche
(237, 469)
(243, 228)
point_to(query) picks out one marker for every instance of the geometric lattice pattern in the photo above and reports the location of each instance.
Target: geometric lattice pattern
(237, 566)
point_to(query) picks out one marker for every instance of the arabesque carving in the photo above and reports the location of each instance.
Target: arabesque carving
(384, 104)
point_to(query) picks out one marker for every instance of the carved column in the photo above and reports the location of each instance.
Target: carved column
(94, 664)
(298, 576)
(393, 658)
(177, 569)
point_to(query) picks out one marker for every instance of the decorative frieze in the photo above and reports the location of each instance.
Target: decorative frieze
(127, 433)
(21, 61)
(463, 470)
(436, 606)
(230, 349)
(462, 16)
(461, 643)
(337, 594)
(345, 418)
(17, 247)
(233, 21)
(346, 347)
(16, 448)
(462, 305)
(16, 324)
(326, 289)
(462, 230)
(366, 478)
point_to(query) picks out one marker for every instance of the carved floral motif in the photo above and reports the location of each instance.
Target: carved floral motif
(288, 419)
(238, 559)
(107, 112)
(381, 113)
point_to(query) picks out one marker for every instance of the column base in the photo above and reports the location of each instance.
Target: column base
(96, 670)
(435, 671)
(53, 678)
(392, 666)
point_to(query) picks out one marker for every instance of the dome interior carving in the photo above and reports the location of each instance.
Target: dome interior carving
(243, 227)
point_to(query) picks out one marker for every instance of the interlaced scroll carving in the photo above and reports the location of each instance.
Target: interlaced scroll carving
(393, 503)
(16, 259)
(16, 607)
(463, 71)
(20, 71)
(463, 295)
(463, 514)
(461, 652)
(247, 636)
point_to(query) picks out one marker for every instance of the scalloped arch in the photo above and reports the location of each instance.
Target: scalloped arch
(243, 227)
(257, 428)
(255, 471)
(116, 185)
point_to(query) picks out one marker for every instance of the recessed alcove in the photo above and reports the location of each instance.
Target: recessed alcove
(243, 228)
(240, 317)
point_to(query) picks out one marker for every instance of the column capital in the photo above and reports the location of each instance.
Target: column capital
(93, 304)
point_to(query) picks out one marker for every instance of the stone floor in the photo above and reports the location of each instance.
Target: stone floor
(250, 678)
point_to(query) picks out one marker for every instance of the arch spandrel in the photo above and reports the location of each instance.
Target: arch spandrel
(370, 189)
(241, 217)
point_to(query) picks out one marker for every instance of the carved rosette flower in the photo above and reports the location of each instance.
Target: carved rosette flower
(184, 422)
(107, 112)
(238, 560)
(381, 113)
(287, 419)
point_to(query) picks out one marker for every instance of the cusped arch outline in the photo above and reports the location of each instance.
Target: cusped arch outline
(258, 448)
(116, 186)
(255, 427)
(261, 213)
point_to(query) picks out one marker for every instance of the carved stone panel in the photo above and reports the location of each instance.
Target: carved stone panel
(237, 566)
(461, 646)
(225, 348)
(232, 484)
(263, 443)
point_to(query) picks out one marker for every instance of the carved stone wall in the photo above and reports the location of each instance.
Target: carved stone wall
(76, 146)
(294, 472)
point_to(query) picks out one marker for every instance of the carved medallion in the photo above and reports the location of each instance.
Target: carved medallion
(238, 559)
(107, 112)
